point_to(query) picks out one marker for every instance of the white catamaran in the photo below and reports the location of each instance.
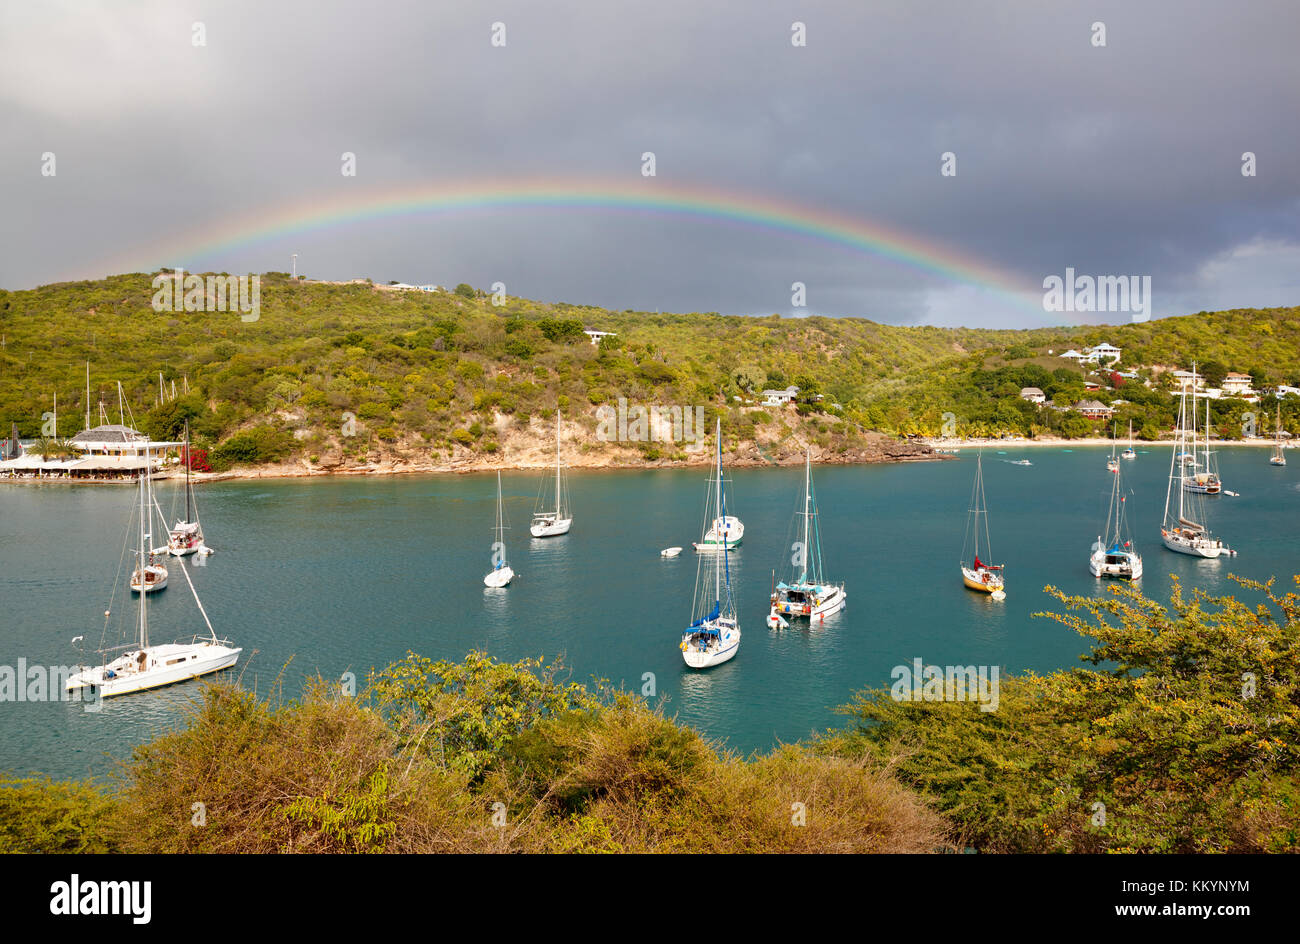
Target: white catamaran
(501, 574)
(186, 536)
(151, 575)
(1115, 556)
(1129, 453)
(1181, 530)
(144, 666)
(808, 594)
(553, 520)
(980, 575)
(714, 634)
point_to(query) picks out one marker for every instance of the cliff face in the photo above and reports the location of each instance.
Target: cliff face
(531, 445)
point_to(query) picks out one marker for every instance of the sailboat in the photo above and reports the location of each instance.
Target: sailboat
(714, 634)
(186, 536)
(808, 594)
(1278, 457)
(1129, 453)
(1115, 556)
(1112, 464)
(550, 522)
(1179, 530)
(151, 575)
(144, 666)
(724, 532)
(980, 575)
(1205, 482)
(501, 574)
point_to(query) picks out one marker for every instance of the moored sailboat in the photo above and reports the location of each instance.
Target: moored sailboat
(144, 666)
(978, 574)
(1278, 457)
(552, 521)
(1129, 453)
(1180, 530)
(1115, 555)
(186, 536)
(151, 574)
(501, 573)
(808, 593)
(713, 636)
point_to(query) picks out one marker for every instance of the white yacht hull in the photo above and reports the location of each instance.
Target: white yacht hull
(1196, 547)
(731, 533)
(162, 665)
(149, 586)
(499, 578)
(1130, 570)
(722, 650)
(833, 602)
(550, 528)
(185, 538)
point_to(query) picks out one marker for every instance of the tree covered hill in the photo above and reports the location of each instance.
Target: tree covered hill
(451, 374)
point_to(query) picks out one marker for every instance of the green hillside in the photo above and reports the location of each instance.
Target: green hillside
(449, 373)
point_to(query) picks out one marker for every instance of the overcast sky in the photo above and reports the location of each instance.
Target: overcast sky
(1123, 159)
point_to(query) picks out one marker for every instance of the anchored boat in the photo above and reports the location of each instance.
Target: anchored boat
(978, 574)
(808, 594)
(143, 666)
(714, 634)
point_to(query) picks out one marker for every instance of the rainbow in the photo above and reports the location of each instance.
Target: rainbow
(641, 196)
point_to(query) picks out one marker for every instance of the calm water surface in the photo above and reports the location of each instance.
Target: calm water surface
(348, 574)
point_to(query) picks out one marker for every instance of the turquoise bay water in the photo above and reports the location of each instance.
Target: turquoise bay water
(344, 575)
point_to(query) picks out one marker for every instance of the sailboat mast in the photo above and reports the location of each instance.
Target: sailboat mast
(87, 394)
(144, 618)
(720, 527)
(121, 408)
(807, 505)
(557, 465)
(189, 488)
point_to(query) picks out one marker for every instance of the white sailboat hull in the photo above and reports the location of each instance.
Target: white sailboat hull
(699, 655)
(834, 601)
(159, 580)
(1195, 546)
(1128, 569)
(500, 577)
(162, 665)
(185, 538)
(550, 527)
(730, 533)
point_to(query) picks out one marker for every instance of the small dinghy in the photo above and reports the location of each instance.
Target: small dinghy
(670, 552)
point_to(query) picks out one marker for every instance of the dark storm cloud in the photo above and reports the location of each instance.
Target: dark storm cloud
(1117, 160)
